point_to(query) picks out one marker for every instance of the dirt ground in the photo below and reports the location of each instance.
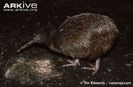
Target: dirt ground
(17, 28)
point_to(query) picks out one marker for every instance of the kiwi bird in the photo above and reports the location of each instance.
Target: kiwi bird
(85, 35)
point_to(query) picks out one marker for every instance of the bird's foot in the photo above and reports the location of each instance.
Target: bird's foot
(72, 63)
(95, 67)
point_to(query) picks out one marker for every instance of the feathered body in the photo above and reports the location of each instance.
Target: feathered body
(85, 35)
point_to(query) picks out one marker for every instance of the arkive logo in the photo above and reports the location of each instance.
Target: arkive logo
(22, 6)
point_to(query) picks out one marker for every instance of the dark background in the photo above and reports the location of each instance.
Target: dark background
(17, 28)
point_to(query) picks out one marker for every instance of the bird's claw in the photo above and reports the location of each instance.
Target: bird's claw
(72, 63)
(95, 67)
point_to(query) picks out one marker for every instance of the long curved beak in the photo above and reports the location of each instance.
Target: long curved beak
(26, 45)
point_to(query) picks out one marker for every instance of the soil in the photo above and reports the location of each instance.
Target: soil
(17, 28)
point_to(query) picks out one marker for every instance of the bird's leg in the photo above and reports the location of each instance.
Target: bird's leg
(95, 67)
(72, 63)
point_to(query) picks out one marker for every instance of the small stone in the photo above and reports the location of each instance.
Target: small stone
(129, 54)
(61, 30)
(109, 70)
(128, 64)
